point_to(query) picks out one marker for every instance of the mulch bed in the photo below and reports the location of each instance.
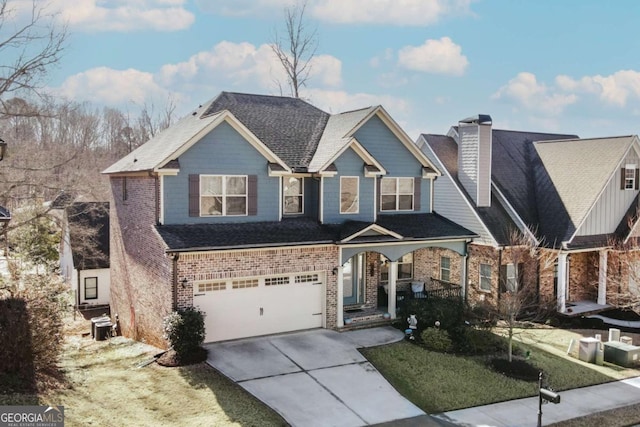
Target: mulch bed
(170, 358)
(517, 368)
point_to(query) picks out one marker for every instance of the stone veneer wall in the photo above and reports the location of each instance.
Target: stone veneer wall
(141, 285)
(199, 266)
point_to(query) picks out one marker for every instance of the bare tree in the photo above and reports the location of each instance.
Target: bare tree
(623, 272)
(29, 46)
(297, 48)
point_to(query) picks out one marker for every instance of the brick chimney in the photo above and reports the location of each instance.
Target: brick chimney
(474, 157)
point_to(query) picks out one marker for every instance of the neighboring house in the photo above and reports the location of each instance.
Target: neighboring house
(575, 198)
(84, 252)
(270, 215)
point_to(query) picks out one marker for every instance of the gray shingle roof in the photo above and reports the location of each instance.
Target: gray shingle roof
(333, 138)
(290, 127)
(517, 172)
(302, 231)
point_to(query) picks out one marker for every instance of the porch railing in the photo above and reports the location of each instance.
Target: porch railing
(436, 288)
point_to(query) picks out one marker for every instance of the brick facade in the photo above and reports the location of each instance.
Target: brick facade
(141, 292)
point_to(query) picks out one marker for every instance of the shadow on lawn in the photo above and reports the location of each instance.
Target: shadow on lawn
(238, 404)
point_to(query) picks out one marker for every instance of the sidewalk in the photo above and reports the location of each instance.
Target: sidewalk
(574, 403)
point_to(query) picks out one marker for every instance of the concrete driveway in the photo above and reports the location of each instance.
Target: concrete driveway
(317, 377)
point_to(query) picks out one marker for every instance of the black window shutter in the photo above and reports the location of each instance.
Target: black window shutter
(503, 278)
(622, 179)
(194, 195)
(377, 204)
(416, 193)
(636, 180)
(252, 195)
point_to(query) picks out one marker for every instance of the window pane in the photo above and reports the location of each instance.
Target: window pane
(445, 262)
(236, 205)
(348, 195)
(91, 288)
(388, 186)
(405, 185)
(292, 186)
(293, 204)
(485, 270)
(405, 271)
(388, 203)
(236, 185)
(211, 186)
(445, 275)
(405, 203)
(211, 205)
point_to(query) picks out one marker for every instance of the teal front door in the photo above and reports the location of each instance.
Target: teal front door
(353, 279)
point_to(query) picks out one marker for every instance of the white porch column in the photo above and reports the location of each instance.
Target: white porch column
(602, 278)
(562, 282)
(340, 297)
(393, 276)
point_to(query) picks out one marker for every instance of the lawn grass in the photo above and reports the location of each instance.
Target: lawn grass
(438, 382)
(105, 386)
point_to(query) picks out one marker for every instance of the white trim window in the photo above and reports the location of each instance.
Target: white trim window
(485, 277)
(223, 195)
(293, 189)
(445, 268)
(630, 177)
(396, 194)
(90, 288)
(349, 194)
(405, 268)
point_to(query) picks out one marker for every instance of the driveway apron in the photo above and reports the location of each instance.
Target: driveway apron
(315, 378)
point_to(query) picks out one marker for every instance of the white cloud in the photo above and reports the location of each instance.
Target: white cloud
(243, 64)
(124, 15)
(393, 12)
(336, 101)
(615, 89)
(112, 87)
(434, 56)
(525, 90)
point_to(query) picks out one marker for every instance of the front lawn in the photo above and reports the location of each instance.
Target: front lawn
(438, 382)
(105, 386)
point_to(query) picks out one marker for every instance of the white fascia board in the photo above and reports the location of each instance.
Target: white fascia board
(514, 215)
(373, 227)
(398, 132)
(359, 150)
(229, 118)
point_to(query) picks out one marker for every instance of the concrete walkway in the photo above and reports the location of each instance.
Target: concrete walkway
(574, 404)
(317, 377)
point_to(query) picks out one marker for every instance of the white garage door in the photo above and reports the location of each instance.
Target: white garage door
(240, 308)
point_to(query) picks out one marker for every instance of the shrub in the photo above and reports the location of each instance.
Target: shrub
(483, 315)
(449, 312)
(184, 329)
(517, 368)
(436, 339)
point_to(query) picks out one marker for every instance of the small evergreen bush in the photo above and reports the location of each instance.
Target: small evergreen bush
(184, 329)
(436, 339)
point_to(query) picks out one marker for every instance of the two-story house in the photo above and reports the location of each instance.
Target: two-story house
(576, 199)
(270, 215)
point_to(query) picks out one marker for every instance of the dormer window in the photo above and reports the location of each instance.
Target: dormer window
(293, 189)
(630, 178)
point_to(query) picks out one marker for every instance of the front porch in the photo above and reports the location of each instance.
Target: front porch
(361, 317)
(581, 308)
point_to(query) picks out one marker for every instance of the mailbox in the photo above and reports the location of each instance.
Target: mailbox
(549, 395)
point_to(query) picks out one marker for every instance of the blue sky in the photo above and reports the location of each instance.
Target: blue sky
(570, 66)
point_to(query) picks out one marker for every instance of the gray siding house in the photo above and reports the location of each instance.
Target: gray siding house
(270, 215)
(577, 199)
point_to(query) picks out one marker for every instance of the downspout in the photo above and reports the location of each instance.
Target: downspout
(500, 249)
(78, 295)
(175, 256)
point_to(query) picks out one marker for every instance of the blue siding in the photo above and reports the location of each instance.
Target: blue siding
(348, 164)
(389, 151)
(221, 152)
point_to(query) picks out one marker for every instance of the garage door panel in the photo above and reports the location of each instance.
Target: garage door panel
(252, 311)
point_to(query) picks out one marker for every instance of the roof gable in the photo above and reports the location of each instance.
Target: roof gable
(580, 169)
